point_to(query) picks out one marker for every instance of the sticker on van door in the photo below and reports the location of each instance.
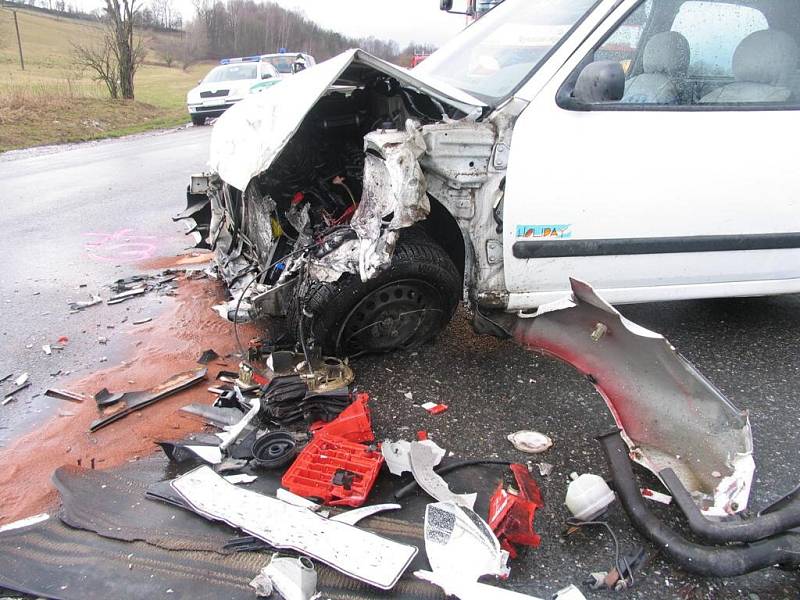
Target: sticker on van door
(561, 232)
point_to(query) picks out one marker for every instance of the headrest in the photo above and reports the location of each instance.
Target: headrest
(768, 56)
(667, 53)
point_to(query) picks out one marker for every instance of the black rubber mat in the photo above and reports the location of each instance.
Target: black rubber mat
(53, 560)
(113, 505)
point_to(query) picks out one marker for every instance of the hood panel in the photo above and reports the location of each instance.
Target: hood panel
(251, 134)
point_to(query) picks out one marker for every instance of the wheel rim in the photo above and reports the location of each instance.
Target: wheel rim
(397, 315)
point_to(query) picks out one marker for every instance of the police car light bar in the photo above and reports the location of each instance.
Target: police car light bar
(230, 61)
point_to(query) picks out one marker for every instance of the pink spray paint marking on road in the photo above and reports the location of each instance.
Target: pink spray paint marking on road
(123, 245)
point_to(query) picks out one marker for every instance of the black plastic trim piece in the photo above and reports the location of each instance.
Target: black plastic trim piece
(655, 245)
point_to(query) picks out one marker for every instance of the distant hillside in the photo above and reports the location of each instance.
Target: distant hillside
(242, 27)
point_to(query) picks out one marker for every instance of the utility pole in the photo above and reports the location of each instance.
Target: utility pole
(19, 42)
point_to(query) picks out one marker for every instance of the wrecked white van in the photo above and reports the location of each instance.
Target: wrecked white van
(643, 146)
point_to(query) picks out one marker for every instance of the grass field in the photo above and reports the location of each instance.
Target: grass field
(53, 102)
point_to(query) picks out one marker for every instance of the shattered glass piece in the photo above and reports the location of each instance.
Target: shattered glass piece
(423, 459)
(352, 551)
(670, 415)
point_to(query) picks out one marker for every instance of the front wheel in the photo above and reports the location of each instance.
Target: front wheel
(198, 120)
(400, 308)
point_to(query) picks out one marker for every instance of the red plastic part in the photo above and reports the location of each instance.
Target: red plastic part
(511, 515)
(439, 408)
(354, 423)
(422, 435)
(312, 473)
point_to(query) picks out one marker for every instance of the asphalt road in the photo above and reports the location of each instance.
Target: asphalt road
(54, 201)
(75, 218)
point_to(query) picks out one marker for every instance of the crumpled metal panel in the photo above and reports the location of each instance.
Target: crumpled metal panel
(670, 414)
(250, 135)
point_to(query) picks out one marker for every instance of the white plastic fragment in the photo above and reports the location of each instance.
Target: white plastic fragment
(21, 380)
(588, 496)
(240, 478)
(460, 545)
(293, 578)
(531, 442)
(655, 496)
(47, 349)
(294, 499)
(396, 455)
(545, 469)
(423, 458)
(356, 553)
(351, 517)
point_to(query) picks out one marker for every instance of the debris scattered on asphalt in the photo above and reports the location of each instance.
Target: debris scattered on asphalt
(142, 321)
(656, 496)
(512, 510)
(544, 469)
(6, 377)
(531, 442)
(138, 400)
(21, 380)
(294, 578)
(423, 459)
(343, 547)
(396, 455)
(116, 299)
(207, 356)
(78, 306)
(47, 350)
(434, 408)
(242, 478)
(64, 395)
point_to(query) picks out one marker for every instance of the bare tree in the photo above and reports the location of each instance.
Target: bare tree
(128, 49)
(101, 60)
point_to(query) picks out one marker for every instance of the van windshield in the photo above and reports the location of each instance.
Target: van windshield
(495, 54)
(233, 72)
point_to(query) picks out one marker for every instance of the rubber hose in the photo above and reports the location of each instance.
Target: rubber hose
(715, 561)
(767, 525)
(445, 469)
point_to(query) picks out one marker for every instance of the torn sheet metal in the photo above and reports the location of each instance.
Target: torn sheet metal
(670, 414)
(365, 556)
(250, 135)
(460, 544)
(134, 401)
(423, 459)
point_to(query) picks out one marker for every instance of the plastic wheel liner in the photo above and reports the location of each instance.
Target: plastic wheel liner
(670, 415)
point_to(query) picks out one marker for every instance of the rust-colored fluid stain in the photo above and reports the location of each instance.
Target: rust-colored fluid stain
(169, 344)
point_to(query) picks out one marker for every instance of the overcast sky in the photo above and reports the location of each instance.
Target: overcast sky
(401, 20)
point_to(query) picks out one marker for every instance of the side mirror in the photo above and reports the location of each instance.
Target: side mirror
(445, 4)
(600, 81)
(266, 76)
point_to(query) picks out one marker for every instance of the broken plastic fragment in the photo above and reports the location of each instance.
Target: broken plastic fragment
(352, 551)
(396, 455)
(434, 408)
(294, 578)
(423, 458)
(531, 442)
(460, 544)
(511, 512)
(242, 478)
(351, 517)
(588, 496)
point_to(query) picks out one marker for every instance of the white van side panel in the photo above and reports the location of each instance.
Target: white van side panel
(728, 178)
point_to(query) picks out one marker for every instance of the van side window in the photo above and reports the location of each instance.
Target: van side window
(714, 30)
(694, 53)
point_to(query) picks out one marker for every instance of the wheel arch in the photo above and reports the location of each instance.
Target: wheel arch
(443, 228)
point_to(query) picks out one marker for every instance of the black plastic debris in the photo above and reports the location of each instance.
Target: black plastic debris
(105, 398)
(207, 356)
(274, 449)
(287, 401)
(137, 400)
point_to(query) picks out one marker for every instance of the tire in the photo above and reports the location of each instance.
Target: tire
(400, 308)
(198, 120)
